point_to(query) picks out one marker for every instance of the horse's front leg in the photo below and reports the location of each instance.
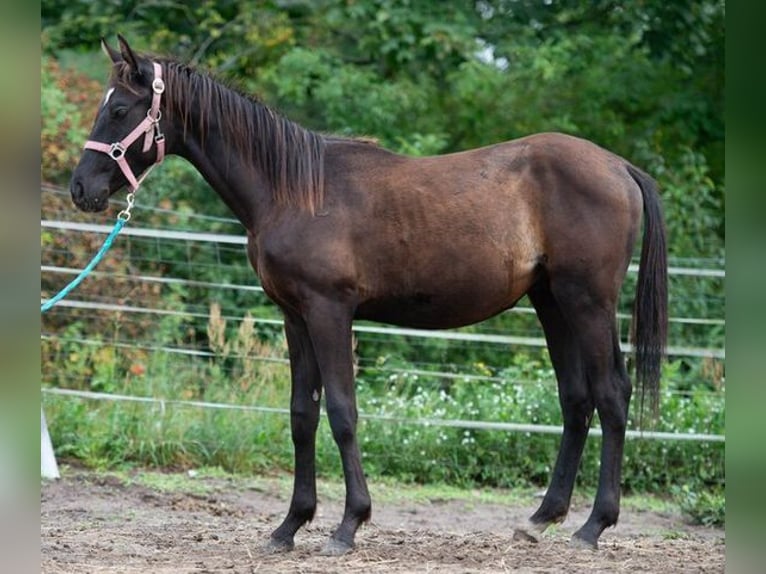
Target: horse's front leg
(329, 326)
(304, 418)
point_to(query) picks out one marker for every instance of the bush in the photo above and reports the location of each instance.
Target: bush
(63, 96)
(705, 507)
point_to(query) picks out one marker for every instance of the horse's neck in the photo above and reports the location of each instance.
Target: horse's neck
(253, 158)
(239, 185)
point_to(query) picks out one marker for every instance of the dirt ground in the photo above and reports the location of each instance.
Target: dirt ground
(96, 523)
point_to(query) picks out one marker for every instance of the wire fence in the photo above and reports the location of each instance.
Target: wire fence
(465, 424)
(211, 263)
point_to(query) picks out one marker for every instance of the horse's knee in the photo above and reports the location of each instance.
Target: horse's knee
(625, 386)
(303, 427)
(612, 401)
(613, 416)
(627, 393)
(343, 419)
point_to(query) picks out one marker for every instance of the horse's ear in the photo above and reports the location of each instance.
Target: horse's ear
(110, 52)
(128, 55)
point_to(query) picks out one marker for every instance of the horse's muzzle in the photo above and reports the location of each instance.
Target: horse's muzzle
(87, 201)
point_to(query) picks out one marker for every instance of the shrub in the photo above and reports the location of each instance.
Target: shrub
(705, 507)
(63, 94)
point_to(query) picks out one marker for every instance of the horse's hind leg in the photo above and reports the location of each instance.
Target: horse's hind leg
(576, 406)
(589, 304)
(611, 391)
(304, 418)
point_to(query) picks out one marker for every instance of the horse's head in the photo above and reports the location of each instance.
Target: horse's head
(126, 137)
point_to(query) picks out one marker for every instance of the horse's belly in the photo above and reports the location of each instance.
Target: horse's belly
(407, 312)
(426, 309)
(460, 292)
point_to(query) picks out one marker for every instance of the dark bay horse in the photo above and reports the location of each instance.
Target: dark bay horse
(342, 229)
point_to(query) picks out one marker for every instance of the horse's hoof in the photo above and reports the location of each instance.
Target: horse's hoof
(579, 541)
(532, 532)
(276, 546)
(336, 548)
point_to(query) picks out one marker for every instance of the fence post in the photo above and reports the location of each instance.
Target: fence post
(48, 466)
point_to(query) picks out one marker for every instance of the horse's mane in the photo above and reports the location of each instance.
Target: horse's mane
(289, 156)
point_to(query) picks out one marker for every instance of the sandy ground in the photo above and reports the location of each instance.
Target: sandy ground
(95, 523)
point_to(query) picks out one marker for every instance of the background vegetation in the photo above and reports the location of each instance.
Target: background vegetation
(644, 79)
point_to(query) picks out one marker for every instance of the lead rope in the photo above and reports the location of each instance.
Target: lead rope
(122, 218)
(48, 466)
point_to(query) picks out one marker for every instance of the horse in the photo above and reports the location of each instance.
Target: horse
(340, 229)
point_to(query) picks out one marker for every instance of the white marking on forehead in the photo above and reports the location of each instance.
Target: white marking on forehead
(108, 95)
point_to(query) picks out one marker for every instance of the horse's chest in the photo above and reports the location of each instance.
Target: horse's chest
(266, 272)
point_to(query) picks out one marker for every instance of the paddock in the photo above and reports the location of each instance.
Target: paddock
(107, 523)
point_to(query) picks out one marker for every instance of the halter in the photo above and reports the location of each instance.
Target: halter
(150, 124)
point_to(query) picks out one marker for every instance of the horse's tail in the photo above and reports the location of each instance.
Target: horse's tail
(650, 310)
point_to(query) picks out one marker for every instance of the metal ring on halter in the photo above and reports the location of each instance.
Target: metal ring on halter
(158, 86)
(149, 115)
(116, 151)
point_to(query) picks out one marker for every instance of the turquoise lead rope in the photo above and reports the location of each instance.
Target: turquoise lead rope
(122, 218)
(88, 268)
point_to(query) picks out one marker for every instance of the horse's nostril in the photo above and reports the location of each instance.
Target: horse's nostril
(77, 190)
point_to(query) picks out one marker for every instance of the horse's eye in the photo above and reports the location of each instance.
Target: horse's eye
(118, 112)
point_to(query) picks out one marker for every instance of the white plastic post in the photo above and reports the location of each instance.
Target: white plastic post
(48, 466)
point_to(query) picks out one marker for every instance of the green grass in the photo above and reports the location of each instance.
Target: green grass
(202, 481)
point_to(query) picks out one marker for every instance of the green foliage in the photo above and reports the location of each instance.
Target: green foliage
(63, 130)
(702, 506)
(54, 107)
(110, 434)
(694, 203)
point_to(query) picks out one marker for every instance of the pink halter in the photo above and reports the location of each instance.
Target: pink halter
(150, 124)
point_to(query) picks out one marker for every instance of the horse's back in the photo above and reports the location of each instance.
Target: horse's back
(532, 193)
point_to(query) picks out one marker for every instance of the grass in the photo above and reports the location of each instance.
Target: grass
(204, 481)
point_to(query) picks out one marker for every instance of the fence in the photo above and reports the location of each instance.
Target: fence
(168, 259)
